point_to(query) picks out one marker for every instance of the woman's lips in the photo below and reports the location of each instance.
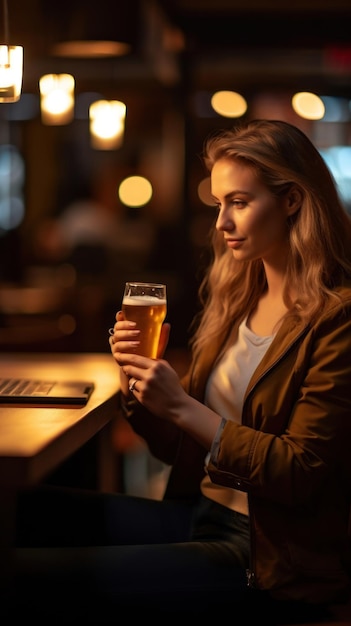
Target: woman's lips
(234, 243)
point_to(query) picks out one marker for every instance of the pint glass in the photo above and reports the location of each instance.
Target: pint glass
(146, 305)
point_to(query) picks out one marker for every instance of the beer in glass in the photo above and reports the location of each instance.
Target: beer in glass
(146, 305)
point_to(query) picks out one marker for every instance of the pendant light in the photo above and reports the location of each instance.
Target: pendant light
(11, 64)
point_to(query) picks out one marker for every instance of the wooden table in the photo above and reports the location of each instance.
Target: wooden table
(35, 441)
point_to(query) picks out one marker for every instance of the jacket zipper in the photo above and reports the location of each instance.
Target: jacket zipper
(250, 573)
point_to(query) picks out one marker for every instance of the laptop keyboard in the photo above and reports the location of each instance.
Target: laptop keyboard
(16, 387)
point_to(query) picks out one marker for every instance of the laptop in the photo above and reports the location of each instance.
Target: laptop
(44, 392)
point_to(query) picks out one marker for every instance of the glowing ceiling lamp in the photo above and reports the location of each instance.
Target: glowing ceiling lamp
(107, 119)
(11, 66)
(97, 29)
(135, 191)
(57, 98)
(308, 105)
(229, 103)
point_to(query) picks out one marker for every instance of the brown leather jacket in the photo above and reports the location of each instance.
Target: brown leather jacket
(292, 455)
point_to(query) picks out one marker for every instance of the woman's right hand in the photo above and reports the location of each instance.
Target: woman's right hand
(125, 338)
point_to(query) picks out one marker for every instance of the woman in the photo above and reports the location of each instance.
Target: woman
(256, 508)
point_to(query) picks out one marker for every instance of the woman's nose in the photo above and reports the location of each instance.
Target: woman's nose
(224, 222)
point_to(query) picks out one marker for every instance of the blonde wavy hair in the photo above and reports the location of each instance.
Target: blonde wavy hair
(319, 233)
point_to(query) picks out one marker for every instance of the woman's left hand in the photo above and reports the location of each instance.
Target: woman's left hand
(154, 383)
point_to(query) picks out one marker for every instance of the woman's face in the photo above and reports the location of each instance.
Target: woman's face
(252, 220)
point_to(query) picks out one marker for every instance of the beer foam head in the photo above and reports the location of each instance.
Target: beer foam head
(143, 300)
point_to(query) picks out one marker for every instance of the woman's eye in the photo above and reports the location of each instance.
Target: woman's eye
(234, 203)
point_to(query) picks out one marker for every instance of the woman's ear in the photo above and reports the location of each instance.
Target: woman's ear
(293, 200)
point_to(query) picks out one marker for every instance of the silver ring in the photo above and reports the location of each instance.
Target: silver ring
(111, 331)
(132, 384)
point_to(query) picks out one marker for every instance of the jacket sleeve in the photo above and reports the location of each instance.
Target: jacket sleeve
(161, 437)
(296, 428)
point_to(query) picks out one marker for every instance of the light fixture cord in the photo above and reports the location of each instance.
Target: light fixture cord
(6, 22)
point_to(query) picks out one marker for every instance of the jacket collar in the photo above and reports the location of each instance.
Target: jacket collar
(289, 332)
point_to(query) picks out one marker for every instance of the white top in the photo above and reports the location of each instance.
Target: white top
(224, 394)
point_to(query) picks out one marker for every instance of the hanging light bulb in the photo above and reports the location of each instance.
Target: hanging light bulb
(56, 98)
(11, 66)
(107, 118)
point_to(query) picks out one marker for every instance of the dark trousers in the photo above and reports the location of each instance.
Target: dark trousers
(94, 558)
